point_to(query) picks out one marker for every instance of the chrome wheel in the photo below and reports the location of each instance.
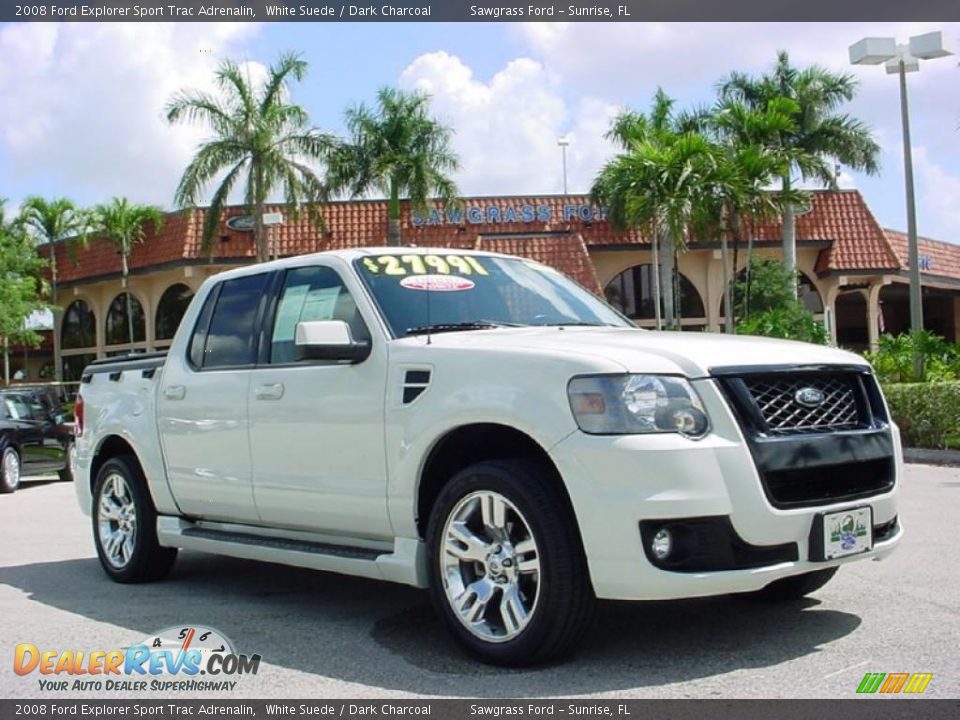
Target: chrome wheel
(116, 520)
(490, 566)
(11, 469)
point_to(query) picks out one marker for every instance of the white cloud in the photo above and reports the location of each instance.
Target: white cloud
(507, 128)
(82, 103)
(938, 209)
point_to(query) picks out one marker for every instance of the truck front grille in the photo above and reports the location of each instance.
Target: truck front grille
(776, 398)
(818, 435)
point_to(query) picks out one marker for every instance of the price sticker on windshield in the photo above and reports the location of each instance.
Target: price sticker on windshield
(424, 265)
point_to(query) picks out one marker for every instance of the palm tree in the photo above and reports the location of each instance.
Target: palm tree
(661, 182)
(22, 287)
(259, 133)
(821, 136)
(750, 163)
(53, 221)
(125, 225)
(398, 150)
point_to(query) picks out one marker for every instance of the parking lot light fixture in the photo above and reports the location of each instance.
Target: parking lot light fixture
(900, 59)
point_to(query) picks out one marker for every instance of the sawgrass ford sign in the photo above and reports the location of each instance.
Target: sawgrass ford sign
(524, 213)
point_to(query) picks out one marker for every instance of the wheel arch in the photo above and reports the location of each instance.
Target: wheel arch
(466, 445)
(110, 447)
(8, 439)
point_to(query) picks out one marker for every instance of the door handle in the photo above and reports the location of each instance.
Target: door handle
(175, 392)
(274, 391)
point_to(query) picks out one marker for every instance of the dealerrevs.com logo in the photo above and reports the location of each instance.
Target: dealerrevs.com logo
(183, 658)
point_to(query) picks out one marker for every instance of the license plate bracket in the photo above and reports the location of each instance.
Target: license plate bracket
(841, 534)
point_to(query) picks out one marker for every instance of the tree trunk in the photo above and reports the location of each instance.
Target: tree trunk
(57, 361)
(393, 226)
(790, 236)
(6, 361)
(675, 285)
(654, 242)
(126, 294)
(746, 298)
(261, 239)
(666, 281)
(727, 300)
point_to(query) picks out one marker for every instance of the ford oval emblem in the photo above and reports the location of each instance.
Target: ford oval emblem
(809, 397)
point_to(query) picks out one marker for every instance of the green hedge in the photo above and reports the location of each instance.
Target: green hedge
(928, 413)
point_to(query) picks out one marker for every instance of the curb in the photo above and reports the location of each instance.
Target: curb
(925, 456)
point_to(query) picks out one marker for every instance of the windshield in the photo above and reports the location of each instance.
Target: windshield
(437, 293)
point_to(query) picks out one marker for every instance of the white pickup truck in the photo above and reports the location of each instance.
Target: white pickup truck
(479, 425)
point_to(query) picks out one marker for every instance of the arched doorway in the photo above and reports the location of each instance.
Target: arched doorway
(173, 304)
(851, 321)
(631, 292)
(78, 339)
(117, 328)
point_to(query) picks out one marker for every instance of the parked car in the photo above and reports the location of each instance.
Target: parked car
(35, 438)
(479, 425)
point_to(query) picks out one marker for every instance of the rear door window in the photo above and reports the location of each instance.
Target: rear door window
(230, 338)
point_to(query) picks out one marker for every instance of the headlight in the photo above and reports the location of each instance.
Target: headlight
(628, 404)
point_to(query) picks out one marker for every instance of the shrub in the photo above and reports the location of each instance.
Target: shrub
(766, 306)
(893, 360)
(928, 413)
(793, 322)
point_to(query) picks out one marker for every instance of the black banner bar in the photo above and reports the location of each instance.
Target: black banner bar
(874, 708)
(477, 11)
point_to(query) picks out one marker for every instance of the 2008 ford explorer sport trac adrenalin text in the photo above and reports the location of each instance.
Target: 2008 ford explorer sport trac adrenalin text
(480, 425)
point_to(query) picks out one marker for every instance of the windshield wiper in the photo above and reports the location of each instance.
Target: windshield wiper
(455, 327)
(577, 323)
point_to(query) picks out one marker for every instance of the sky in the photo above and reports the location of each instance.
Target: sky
(82, 103)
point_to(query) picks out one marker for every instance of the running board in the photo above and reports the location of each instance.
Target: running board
(406, 564)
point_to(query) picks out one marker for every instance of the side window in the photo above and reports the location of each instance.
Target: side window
(229, 340)
(17, 409)
(311, 293)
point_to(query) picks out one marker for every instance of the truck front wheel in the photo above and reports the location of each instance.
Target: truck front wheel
(508, 573)
(125, 525)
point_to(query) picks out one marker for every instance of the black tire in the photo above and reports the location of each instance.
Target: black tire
(796, 586)
(148, 561)
(564, 607)
(66, 474)
(10, 481)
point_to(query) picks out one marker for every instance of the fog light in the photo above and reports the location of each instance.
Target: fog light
(662, 544)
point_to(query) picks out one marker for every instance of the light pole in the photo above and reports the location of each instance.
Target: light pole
(901, 59)
(563, 142)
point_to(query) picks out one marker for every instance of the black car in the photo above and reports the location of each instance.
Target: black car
(34, 438)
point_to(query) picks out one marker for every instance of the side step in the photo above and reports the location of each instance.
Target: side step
(406, 564)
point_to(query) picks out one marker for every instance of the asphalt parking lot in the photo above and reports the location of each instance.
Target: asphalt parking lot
(328, 636)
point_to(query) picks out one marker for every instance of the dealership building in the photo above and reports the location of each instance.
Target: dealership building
(854, 272)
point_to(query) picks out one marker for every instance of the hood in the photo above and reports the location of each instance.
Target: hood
(693, 354)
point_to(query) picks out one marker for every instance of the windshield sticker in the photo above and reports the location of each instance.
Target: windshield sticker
(424, 264)
(437, 283)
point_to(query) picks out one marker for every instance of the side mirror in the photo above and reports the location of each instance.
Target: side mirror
(328, 340)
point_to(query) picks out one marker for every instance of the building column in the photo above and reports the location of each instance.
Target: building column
(830, 307)
(873, 314)
(714, 292)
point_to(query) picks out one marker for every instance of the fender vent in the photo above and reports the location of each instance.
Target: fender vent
(414, 383)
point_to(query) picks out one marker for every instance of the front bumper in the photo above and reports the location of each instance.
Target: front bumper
(616, 482)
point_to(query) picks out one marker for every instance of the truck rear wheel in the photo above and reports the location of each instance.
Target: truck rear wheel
(508, 573)
(125, 525)
(796, 586)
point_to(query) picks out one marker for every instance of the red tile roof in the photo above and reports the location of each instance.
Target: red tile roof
(525, 225)
(936, 257)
